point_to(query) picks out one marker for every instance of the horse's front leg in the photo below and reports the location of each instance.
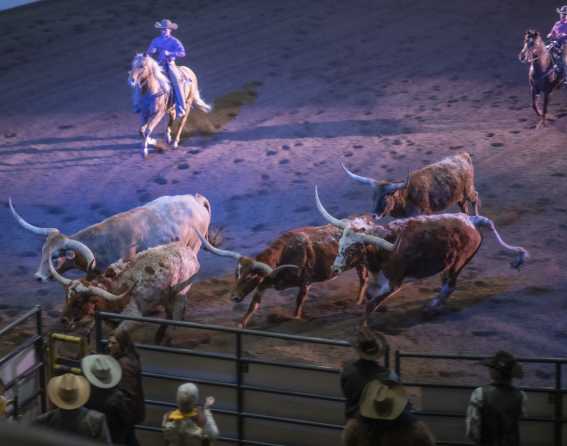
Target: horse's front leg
(543, 119)
(150, 126)
(534, 100)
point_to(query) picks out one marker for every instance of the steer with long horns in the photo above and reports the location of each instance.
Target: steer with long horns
(297, 258)
(136, 286)
(430, 189)
(416, 247)
(164, 220)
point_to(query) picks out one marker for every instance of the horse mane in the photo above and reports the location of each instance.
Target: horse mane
(158, 73)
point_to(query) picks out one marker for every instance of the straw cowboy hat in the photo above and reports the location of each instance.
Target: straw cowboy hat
(68, 391)
(102, 371)
(562, 10)
(369, 345)
(505, 363)
(383, 401)
(165, 24)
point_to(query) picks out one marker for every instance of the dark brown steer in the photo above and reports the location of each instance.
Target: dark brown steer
(297, 258)
(430, 189)
(416, 247)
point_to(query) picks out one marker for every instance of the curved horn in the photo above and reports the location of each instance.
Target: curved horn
(262, 266)
(83, 249)
(377, 241)
(108, 295)
(62, 280)
(363, 180)
(35, 229)
(335, 221)
(284, 267)
(217, 251)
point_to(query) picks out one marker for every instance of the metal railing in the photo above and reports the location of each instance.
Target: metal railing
(36, 341)
(241, 363)
(557, 391)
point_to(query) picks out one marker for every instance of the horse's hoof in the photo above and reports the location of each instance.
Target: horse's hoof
(175, 145)
(145, 153)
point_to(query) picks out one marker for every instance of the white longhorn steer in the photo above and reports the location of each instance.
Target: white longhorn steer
(159, 276)
(164, 220)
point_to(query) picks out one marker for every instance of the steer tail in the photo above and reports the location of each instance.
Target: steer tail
(481, 222)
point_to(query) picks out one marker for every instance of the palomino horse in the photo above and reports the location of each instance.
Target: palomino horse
(154, 97)
(543, 77)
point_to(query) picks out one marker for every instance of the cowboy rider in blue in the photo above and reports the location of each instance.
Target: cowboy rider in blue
(165, 49)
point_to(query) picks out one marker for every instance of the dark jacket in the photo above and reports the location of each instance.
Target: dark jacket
(131, 386)
(82, 422)
(501, 412)
(114, 404)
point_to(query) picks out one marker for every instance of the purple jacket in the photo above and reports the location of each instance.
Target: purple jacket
(170, 44)
(559, 31)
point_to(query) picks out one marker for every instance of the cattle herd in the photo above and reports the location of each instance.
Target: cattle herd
(146, 257)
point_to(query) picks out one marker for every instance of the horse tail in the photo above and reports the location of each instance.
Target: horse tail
(200, 103)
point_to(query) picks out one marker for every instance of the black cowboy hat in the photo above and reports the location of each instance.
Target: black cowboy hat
(562, 10)
(505, 363)
(370, 345)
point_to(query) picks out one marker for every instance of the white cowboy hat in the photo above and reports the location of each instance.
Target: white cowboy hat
(165, 24)
(68, 391)
(381, 401)
(562, 10)
(102, 371)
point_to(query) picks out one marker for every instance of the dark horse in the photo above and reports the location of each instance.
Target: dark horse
(543, 77)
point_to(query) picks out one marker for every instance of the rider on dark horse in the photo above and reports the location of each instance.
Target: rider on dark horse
(558, 36)
(165, 49)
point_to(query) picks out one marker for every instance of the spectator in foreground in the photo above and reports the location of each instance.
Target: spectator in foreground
(103, 372)
(495, 409)
(69, 393)
(189, 425)
(123, 350)
(377, 409)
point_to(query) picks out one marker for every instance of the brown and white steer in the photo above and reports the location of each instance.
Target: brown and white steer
(159, 276)
(430, 189)
(164, 220)
(297, 258)
(416, 248)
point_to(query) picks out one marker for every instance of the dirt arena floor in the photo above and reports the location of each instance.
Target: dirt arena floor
(386, 86)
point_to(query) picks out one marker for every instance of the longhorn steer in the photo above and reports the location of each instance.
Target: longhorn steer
(135, 287)
(297, 258)
(430, 189)
(416, 247)
(163, 220)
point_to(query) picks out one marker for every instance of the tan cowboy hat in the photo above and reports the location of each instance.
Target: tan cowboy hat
(102, 371)
(68, 391)
(165, 24)
(370, 345)
(381, 401)
(562, 10)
